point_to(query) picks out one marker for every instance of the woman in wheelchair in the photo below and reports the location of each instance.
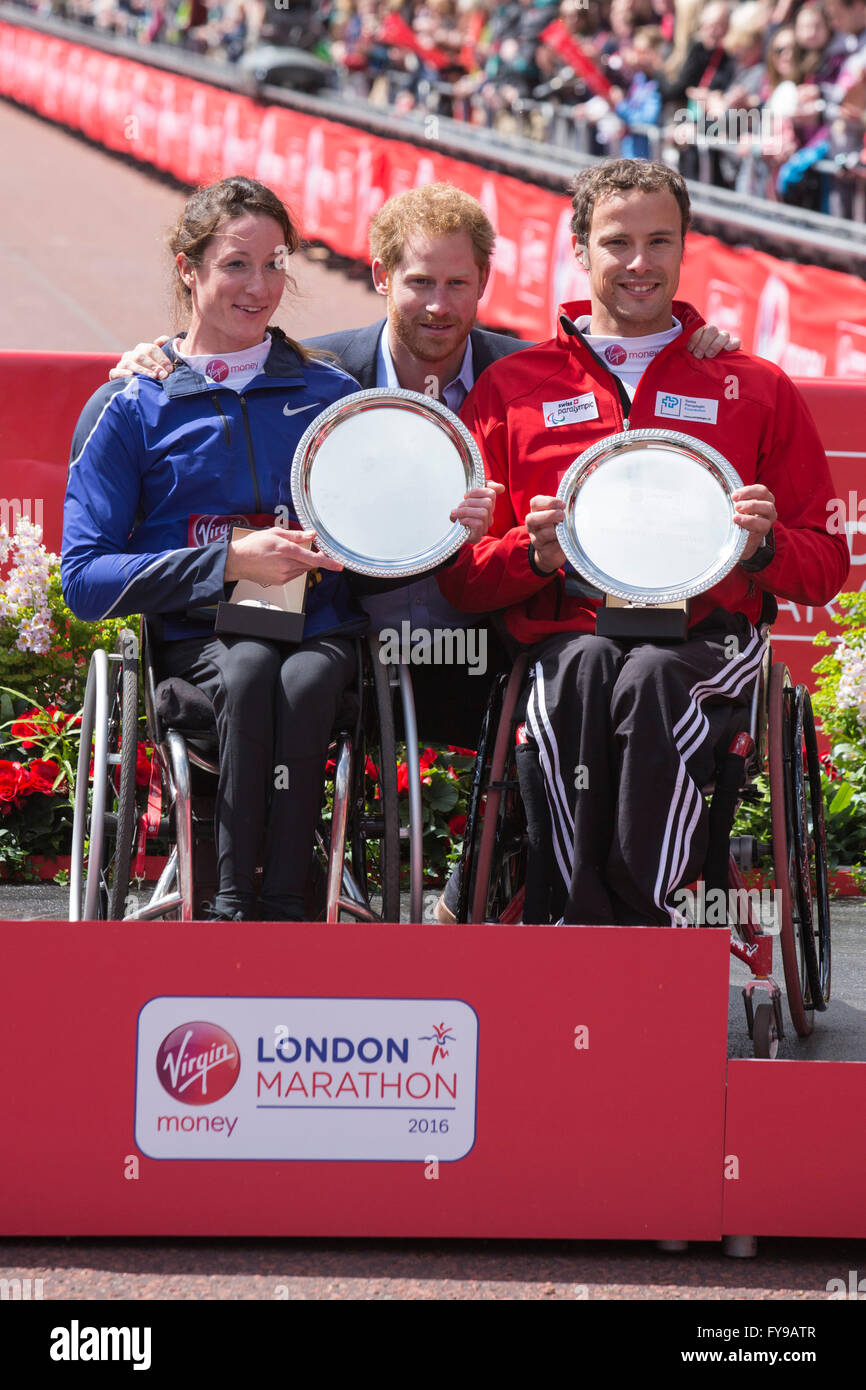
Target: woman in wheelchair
(160, 470)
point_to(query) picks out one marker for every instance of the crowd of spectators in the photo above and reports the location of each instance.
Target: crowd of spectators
(751, 95)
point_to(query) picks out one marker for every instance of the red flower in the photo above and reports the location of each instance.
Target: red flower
(830, 767)
(402, 778)
(427, 759)
(457, 825)
(143, 760)
(26, 729)
(14, 781)
(43, 774)
(461, 752)
(371, 770)
(330, 767)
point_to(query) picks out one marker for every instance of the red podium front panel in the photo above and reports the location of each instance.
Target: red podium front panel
(581, 1072)
(794, 1139)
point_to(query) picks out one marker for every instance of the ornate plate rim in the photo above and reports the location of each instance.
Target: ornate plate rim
(451, 541)
(637, 594)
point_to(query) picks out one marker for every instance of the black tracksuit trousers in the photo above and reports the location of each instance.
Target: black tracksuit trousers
(627, 736)
(275, 708)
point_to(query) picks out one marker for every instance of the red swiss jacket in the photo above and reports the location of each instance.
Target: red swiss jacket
(533, 412)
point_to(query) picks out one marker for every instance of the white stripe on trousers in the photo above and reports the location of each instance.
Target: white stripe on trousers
(689, 733)
(561, 819)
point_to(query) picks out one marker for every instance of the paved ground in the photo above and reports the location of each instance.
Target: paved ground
(83, 262)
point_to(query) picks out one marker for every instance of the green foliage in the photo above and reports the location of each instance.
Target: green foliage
(841, 681)
(41, 694)
(59, 676)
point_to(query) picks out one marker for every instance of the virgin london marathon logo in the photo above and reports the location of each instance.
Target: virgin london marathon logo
(198, 1063)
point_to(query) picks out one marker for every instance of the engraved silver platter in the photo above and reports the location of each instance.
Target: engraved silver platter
(649, 516)
(376, 476)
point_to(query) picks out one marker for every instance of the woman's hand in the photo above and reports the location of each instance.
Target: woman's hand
(544, 516)
(275, 556)
(476, 510)
(145, 359)
(755, 512)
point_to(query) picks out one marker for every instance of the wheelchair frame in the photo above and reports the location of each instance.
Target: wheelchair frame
(782, 733)
(107, 824)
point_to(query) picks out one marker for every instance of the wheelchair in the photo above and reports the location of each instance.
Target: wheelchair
(507, 866)
(355, 867)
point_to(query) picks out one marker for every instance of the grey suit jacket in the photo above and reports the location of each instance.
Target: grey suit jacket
(358, 349)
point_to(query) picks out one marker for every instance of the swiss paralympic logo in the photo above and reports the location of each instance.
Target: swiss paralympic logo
(615, 354)
(216, 369)
(556, 417)
(198, 1063)
(670, 402)
(439, 1037)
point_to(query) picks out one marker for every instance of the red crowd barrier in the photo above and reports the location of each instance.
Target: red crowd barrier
(809, 320)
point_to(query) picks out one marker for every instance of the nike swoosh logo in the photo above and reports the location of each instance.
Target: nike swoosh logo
(299, 409)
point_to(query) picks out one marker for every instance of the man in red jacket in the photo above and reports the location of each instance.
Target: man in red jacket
(626, 731)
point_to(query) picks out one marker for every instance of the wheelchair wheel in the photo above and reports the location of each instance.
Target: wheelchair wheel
(765, 1036)
(105, 813)
(365, 815)
(799, 853)
(377, 818)
(495, 863)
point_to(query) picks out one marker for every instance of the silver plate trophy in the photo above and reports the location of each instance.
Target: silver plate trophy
(376, 476)
(649, 522)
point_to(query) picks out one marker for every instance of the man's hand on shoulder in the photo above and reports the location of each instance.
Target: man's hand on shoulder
(709, 341)
(545, 514)
(145, 359)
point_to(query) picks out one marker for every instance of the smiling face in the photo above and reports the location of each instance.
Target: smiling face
(634, 254)
(237, 286)
(432, 296)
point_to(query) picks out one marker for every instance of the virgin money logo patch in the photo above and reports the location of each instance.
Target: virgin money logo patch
(198, 1063)
(216, 369)
(615, 354)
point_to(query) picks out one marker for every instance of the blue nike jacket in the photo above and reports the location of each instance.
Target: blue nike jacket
(159, 472)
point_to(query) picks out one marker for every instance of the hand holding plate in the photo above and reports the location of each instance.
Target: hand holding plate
(476, 510)
(755, 512)
(544, 516)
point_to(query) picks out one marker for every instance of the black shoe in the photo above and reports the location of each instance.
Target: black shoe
(211, 913)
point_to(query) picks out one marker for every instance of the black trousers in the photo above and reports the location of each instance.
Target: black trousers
(627, 736)
(275, 709)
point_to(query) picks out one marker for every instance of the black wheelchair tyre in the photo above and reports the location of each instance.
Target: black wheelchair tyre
(811, 852)
(377, 819)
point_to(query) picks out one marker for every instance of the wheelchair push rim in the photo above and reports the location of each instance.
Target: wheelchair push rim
(105, 812)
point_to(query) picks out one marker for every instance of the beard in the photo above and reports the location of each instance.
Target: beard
(429, 347)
